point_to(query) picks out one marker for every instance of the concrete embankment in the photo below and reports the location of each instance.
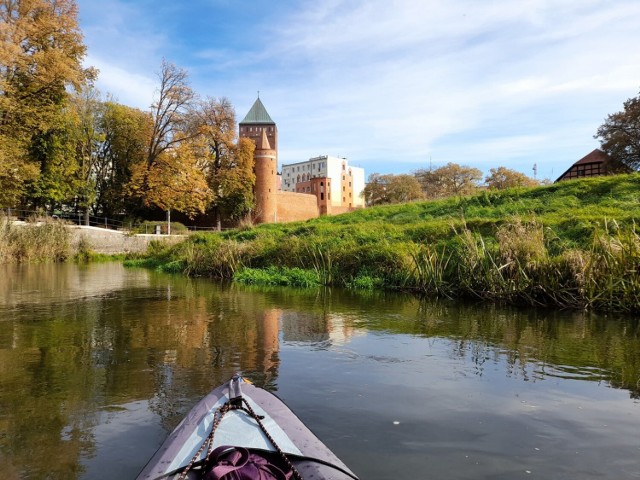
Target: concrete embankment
(102, 240)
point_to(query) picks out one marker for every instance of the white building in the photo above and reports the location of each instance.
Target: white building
(344, 188)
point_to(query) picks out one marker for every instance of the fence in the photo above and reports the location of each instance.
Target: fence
(93, 221)
(77, 219)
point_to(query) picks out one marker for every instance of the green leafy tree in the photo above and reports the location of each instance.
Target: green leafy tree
(55, 152)
(86, 109)
(125, 137)
(502, 177)
(450, 180)
(620, 135)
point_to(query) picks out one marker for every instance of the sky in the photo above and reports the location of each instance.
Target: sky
(392, 85)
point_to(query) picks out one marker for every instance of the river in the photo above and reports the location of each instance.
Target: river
(99, 362)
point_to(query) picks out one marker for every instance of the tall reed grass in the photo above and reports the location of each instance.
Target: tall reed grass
(38, 240)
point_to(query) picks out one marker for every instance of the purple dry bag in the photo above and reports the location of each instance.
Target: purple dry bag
(238, 463)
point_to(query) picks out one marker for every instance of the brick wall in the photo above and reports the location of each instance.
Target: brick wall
(293, 207)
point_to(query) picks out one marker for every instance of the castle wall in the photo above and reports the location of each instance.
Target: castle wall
(293, 207)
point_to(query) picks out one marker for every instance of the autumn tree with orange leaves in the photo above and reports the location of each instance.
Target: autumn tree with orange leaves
(229, 161)
(171, 177)
(41, 55)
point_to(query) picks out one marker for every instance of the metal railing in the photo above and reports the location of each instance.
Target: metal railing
(93, 221)
(77, 219)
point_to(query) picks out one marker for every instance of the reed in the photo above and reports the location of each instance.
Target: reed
(430, 273)
(39, 240)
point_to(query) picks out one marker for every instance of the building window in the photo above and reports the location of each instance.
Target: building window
(349, 183)
(321, 196)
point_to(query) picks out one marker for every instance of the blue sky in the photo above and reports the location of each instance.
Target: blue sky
(392, 85)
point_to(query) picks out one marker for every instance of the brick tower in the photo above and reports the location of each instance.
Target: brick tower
(258, 126)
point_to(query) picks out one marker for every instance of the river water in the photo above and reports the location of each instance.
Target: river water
(98, 363)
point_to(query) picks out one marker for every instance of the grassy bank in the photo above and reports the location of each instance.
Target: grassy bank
(572, 244)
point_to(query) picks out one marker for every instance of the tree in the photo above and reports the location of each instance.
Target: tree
(170, 176)
(41, 53)
(125, 137)
(85, 110)
(619, 135)
(233, 185)
(171, 112)
(174, 181)
(375, 190)
(229, 165)
(382, 189)
(502, 177)
(55, 152)
(452, 179)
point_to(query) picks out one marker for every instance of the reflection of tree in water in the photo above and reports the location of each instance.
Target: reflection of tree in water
(47, 392)
(201, 340)
(535, 344)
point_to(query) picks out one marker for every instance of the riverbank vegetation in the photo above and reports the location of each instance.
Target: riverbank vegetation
(572, 244)
(45, 240)
(39, 240)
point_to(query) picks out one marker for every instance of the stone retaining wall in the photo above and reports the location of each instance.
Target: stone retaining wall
(102, 240)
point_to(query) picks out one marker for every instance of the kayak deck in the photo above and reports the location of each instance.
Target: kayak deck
(306, 452)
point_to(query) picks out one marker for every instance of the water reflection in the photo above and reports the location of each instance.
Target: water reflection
(95, 356)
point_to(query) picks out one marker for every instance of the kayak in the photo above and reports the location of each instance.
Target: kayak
(237, 426)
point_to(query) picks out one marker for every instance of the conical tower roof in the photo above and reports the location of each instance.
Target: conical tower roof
(257, 114)
(264, 143)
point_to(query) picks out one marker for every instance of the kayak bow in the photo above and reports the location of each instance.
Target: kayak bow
(239, 402)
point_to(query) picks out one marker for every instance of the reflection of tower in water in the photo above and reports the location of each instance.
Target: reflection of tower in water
(264, 339)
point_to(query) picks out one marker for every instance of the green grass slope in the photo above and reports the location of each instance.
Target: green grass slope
(568, 244)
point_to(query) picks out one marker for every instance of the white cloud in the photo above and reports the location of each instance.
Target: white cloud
(396, 79)
(128, 88)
